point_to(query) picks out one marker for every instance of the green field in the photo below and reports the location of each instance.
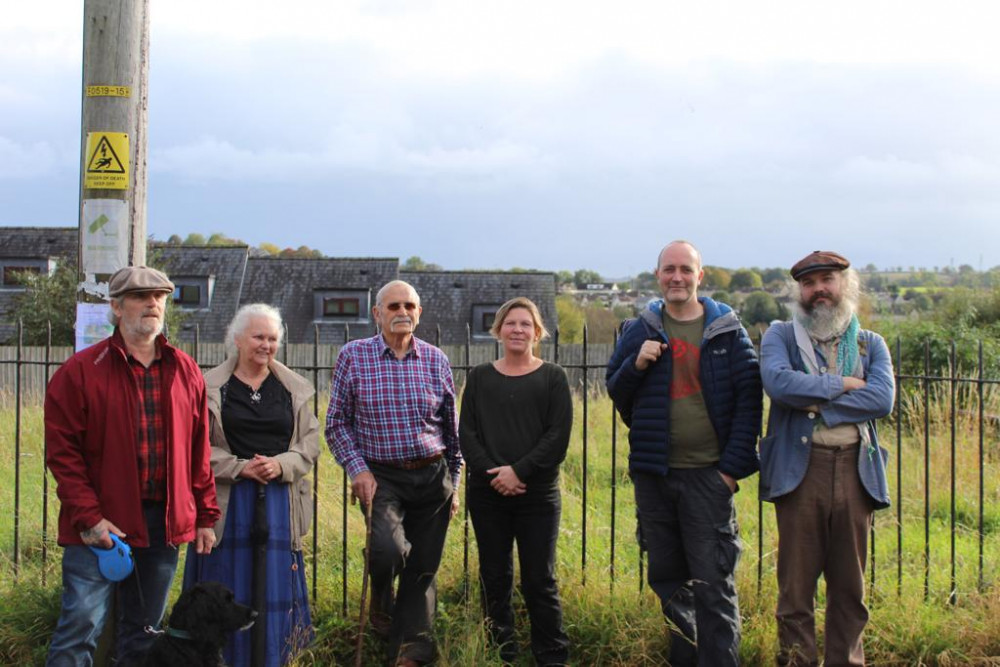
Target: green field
(609, 620)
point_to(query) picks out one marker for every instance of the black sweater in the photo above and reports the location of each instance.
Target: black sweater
(522, 421)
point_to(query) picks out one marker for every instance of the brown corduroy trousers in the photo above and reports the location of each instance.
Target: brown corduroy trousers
(823, 529)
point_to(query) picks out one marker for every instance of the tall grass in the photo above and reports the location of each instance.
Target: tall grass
(611, 618)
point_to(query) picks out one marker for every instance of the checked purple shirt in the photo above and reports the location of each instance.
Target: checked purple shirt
(389, 410)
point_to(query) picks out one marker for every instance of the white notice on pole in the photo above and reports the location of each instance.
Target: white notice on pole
(92, 324)
(105, 236)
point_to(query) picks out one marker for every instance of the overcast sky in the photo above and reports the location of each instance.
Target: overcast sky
(548, 134)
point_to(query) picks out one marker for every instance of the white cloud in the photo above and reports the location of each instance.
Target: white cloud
(530, 39)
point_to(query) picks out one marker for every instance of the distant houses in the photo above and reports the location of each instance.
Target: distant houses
(321, 299)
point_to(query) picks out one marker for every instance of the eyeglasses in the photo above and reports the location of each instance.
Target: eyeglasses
(408, 305)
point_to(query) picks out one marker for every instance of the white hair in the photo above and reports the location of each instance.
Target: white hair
(395, 283)
(241, 321)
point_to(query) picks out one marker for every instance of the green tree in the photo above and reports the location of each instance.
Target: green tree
(587, 277)
(761, 308)
(570, 319)
(194, 238)
(745, 279)
(47, 298)
(564, 277)
(175, 240)
(270, 248)
(220, 239)
(723, 296)
(775, 275)
(601, 324)
(716, 278)
(414, 263)
(645, 281)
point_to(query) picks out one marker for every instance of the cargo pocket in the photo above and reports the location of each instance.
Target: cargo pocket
(728, 548)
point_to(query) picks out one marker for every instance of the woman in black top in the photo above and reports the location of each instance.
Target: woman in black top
(514, 429)
(265, 441)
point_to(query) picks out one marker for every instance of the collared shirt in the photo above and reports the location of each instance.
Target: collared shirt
(150, 447)
(389, 410)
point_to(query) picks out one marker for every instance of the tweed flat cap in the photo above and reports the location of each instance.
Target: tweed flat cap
(819, 260)
(138, 279)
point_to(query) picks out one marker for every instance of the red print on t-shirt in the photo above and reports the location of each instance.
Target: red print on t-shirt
(686, 381)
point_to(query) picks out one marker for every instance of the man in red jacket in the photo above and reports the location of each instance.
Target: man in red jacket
(126, 429)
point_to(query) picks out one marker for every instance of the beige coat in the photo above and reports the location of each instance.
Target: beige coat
(295, 463)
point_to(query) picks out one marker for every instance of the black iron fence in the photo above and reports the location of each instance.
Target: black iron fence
(943, 431)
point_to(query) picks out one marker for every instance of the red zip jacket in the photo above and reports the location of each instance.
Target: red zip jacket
(91, 407)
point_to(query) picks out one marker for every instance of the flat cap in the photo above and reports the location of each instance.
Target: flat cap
(138, 279)
(819, 260)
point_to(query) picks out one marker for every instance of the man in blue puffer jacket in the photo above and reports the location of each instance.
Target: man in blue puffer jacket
(686, 380)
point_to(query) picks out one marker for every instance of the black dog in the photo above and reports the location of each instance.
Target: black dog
(200, 624)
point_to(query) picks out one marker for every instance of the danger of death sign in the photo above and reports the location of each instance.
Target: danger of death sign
(107, 161)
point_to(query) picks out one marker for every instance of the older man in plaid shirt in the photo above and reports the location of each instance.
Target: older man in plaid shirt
(392, 425)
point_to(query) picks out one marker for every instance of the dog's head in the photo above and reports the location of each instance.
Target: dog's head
(209, 613)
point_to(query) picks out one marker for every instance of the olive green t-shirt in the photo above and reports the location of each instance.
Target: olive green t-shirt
(693, 443)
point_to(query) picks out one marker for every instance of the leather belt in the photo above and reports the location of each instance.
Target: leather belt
(416, 464)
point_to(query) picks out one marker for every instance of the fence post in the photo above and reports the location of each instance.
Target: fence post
(17, 449)
(952, 596)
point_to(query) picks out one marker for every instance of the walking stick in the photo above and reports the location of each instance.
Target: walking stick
(364, 584)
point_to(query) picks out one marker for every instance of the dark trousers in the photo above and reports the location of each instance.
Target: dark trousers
(823, 529)
(531, 520)
(410, 516)
(687, 523)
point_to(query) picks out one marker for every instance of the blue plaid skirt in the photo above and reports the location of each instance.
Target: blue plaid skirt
(289, 625)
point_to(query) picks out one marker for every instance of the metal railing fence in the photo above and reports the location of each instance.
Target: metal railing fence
(944, 430)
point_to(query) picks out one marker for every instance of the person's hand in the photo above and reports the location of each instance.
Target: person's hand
(270, 467)
(255, 470)
(649, 353)
(363, 487)
(506, 482)
(851, 383)
(204, 540)
(97, 535)
(454, 505)
(729, 480)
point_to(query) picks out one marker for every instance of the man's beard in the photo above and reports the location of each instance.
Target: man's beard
(824, 322)
(140, 328)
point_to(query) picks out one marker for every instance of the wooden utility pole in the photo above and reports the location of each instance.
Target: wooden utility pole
(112, 213)
(113, 133)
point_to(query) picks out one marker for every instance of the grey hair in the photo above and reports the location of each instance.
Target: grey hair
(395, 283)
(242, 318)
(678, 242)
(112, 318)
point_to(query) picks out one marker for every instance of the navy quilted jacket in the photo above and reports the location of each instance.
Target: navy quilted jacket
(730, 383)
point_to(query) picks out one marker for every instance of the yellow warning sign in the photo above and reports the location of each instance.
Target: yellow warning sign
(107, 161)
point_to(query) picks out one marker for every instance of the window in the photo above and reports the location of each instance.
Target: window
(341, 305)
(13, 269)
(14, 275)
(487, 321)
(187, 295)
(482, 319)
(193, 292)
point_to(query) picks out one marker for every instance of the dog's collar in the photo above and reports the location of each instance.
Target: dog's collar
(179, 634)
